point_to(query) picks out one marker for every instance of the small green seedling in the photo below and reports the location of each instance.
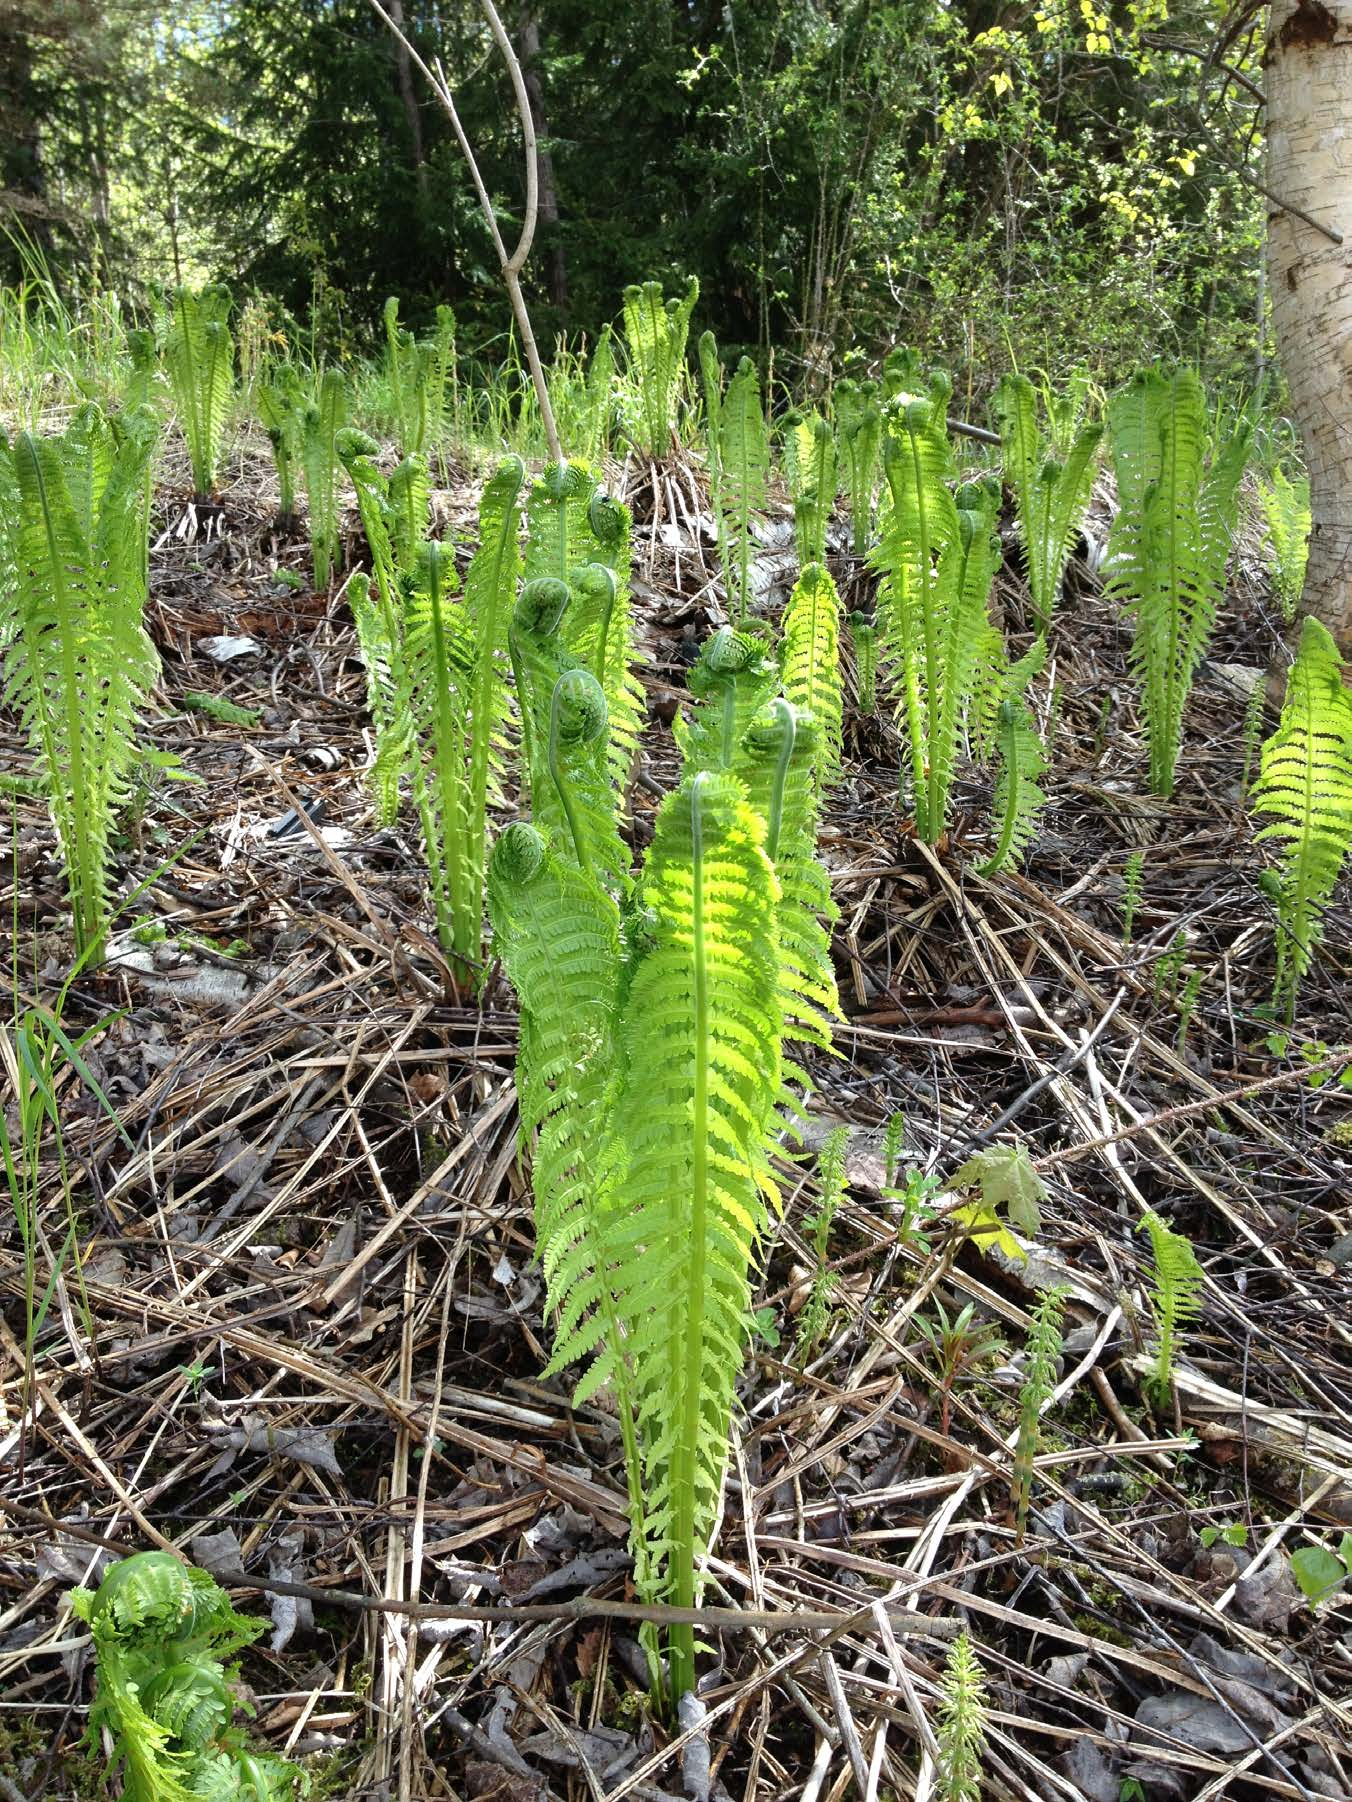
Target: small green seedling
(1322, 1573)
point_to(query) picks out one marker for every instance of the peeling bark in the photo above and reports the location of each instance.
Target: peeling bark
(1308, 64)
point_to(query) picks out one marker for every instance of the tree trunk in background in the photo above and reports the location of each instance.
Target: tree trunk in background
(1308, 65)
(404, 65)
(556, 263)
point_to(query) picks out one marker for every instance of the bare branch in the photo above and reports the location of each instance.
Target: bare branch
(510, 265)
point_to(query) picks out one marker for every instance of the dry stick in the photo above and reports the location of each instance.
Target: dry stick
(1186, 1110)
(584, 1608)
(511, 266)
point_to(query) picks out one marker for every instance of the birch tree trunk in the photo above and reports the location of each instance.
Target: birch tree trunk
(1308, 64)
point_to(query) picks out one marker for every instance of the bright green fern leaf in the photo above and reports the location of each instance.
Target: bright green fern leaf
(1285, 501)
(79, 667)
(700, 1035)
(810, 460)
(655, 332)
(1017, 795)
(1050, 495)
(811, 656)
(199, 355)
(281, 406)
(1175, 1295)
(320, 424)
(1305, 785)
(1170, 542)
(859, 422)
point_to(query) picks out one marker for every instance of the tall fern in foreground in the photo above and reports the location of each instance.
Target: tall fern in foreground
(78, 664)
(1170, 542)
(937, 558)
(1285, 501)
(655, 332)
(1050, 495)
(1305, 785)
(199, 355)
(321, 422)
(650, 1071)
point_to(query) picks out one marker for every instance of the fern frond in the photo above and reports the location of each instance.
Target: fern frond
(1169, 544)
(1050, 495)
(700, 1033)
(810, 459)
(744, 471)
(656, 331)
(280, 407)
(733, 678)
(1017, 795)
(811, 661)
(1305, 784)
(408, 499)
(199, 355)
(1175, 1294)
(1285, 501)
(859, 422)
(864, 638)
(320, 424)
(1039, 1381)
(79, 666)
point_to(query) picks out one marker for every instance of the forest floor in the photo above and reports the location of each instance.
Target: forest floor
(307, 1334)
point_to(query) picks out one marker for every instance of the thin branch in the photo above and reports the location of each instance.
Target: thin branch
(510, 265)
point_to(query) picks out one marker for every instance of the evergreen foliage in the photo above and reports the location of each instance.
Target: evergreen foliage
(1304, 785)
(199, 356)
(79, 666)
(1170, 542)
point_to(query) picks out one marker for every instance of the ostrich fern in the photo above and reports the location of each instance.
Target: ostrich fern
(811, 659)
(1050, 495)
(281, 406)
(79, 666)
(811, 467)
(1285, 501)
(1170, 542)
(321, 422)
(165, 1696)
(655, 332)
(418, 375)
(199, 356)
(859, 422)
(1175, 1295)
(937, 560)
(1304, 785)
(739, 467)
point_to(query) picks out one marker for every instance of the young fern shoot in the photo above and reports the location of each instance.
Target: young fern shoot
(1285, 501)
(281, 406)
(859, 423)
(810, 462)
(79, 666)
(1039, 1380)
(321, 421)
(1170, 542)
(1018, 799)
(1175, 1295)
(199, 355)
(1050, 496)
(655, 332)
(811, 658)
(1304, 785)
(937, 558)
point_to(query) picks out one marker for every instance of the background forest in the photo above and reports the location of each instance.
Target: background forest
(1050, 184)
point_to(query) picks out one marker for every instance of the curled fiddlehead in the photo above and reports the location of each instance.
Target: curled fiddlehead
(577, 719)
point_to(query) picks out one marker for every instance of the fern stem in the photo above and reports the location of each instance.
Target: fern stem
(683, 1477)
(560, 779)
(788, 735)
